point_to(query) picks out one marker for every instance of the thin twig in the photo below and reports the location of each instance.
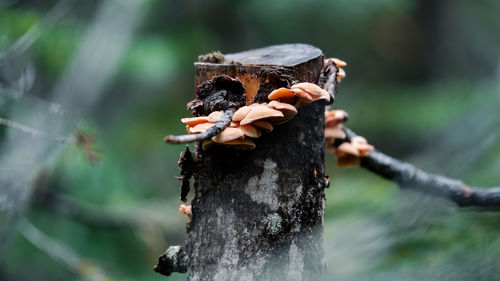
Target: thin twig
(59, 252)
(35, 132)
(24, 42)
(408, 176)
(220, 125)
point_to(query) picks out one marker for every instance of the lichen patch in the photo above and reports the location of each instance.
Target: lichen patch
(262, 189)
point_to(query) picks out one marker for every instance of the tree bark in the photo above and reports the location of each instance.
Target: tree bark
(258, 214)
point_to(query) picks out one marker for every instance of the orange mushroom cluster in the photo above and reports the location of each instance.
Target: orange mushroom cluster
(187, 210)
(348, 153)
(339, 63)
(299, 94)
(248, 122)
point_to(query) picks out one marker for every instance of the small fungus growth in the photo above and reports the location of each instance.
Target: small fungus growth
(348, 151)
(187, 210)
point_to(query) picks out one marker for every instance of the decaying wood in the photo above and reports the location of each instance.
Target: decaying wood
(258, 215)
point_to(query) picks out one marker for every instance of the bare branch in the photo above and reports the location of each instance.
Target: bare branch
(408, 176)
(34, 32)
(35, 132)
(59, 252)
(223, 122)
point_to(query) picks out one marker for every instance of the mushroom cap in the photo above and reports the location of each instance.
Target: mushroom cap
(335, 117)
(334, 133)
(260, 112)
(303, 95)
(256, 104)
(250, 131)
(359, 139)
(186, 210)
(339, 62)
(281, 93)
(215, 116)
(348, 161)
(288, 111)
(200, 128)
(341, 73)
(242, 144)
(241, 113)
(263, 125)
(228, 134)
(363, 148)
(192, 121)
(347, 148)
(314, 91)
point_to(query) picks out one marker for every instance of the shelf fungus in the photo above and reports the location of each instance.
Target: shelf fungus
(187, 210)
(348, 151)
(238, 127)
(299, 94)
(341, 72)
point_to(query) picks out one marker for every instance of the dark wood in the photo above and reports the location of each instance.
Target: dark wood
(258, 215)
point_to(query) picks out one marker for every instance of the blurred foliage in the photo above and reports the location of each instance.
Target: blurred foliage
(422, 84)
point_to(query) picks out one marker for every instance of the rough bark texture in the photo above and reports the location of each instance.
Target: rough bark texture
(258, 215)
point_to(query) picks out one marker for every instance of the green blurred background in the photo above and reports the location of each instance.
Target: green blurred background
(423, 84)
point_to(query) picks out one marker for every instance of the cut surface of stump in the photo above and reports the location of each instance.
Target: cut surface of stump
(258, 214)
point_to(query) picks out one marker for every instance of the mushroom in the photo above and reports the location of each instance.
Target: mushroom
(361, 144)
(200, 128)
(194, 120)
(340, 74)
(334, 133)
(263, 125)
(347, 148)
(348, 160)
(260, 112)
(281, 93)
(335, 117)
(359, 139)
(314, 91)
(288, 111)
(339, 62)
(188, 210)
(250, 131)
(241, 113)
(228, 134)
(215, 116)
(347, 155)
(303, 97)
(242, 144)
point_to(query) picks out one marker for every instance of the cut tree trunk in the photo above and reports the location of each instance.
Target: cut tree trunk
(258, 214)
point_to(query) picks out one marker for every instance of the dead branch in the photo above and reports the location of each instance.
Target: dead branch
(223, 122)
(410, 177)
(59, 252)
(35, 132)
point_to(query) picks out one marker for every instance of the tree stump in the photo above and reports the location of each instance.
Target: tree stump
(258, 214)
